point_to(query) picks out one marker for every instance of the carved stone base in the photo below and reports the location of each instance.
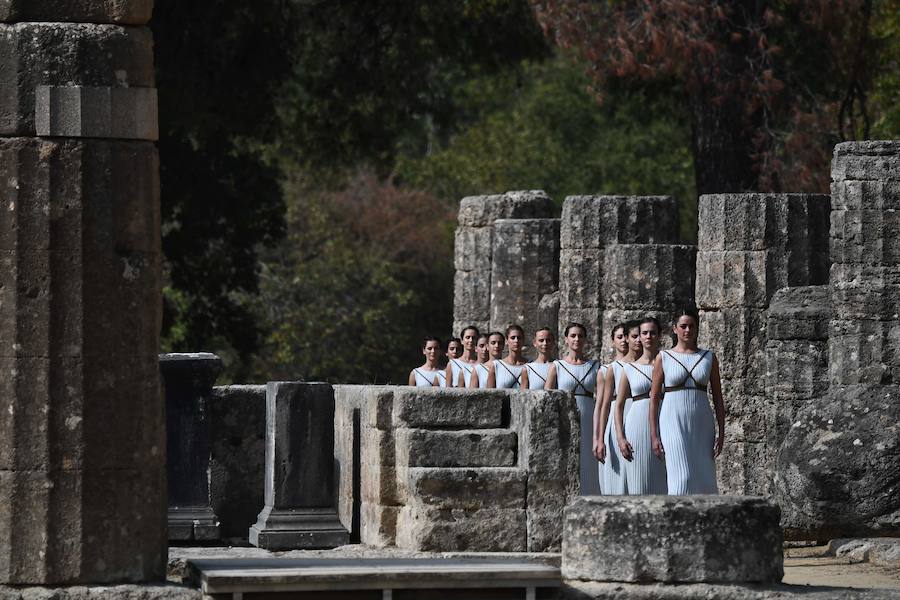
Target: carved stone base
(296, 529)
(193, 523)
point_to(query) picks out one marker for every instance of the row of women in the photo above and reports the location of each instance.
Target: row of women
(654, 431)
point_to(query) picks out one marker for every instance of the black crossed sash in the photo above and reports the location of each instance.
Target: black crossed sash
(516, 378)
(689, 374)
(579, 381)
(645, 395)
(431, 381)
(532, 369)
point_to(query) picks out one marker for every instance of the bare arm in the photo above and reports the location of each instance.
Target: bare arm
(715, 382)
(656, 392)
(523, 381)
(623, 394)
(491, 377)
(412, 378)
(603, 399)
(473, 379)
(550, 384)
(448, 374)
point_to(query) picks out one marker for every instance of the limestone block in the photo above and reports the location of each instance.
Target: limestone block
(444, 530)
(482, 211)
(736, 279)
(377, 446)
(838, 471)
(797, 368)
(378, 524)
(648, 276)
(866, 236)
(590, 318)
(581, 277)
(237, 424)
(865, 291)
(799, 313)
(738, 337)
(68, 54)
(130, 12)
(472, 248)
(524, 267)
(879, 160)
(864, 351)
(600, 221)
(456, 448)
(96, 112)
(695, 539)
(865, 195)
(441, 408)
(379, 484)
(472, 296)
(546, 503)
(467, 489)
(548, 312)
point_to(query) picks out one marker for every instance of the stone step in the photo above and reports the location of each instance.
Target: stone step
(438, 408)
(459, 448)
(462, 488)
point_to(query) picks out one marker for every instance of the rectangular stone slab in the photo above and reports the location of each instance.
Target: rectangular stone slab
(462, 448)
(441, 408)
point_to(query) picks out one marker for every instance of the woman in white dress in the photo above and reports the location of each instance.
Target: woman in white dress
(578, 375)
(644, 472)
(459, 370)
(454, 348)
(627, 344)
(506, 373)
(429, 374)
(687, 435)
(535, 375)
(495, 345)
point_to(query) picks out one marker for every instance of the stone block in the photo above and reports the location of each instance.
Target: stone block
(237, 424)
(738, 279)
(865, 292)
(472, 296)
(467, 489)
(738, 337)
(581, 277)
(695, 539)
(600, 221)
(472, 248)
(96, 112)
(524, 267)
(869, 237)
(864, 351)
(796, 368)
(377, 446)
(876, 160)
(378, 524)
(799, 313)
(429, 529)
(379, 484)
(838, 470)
(456, 448)
(439, 408)
(132, 12)
(546, 504)
(742, 466)
(482, 211)
(648, 276)
(67, 54)
(865, 195)
(548, 312)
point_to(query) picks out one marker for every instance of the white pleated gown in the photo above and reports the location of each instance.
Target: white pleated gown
(613, 477)
(645, 473)
(506, 376)
(537, 375)
(582, 380)
(687, 424)
(425, 378)
(457, 366)
(481, 372)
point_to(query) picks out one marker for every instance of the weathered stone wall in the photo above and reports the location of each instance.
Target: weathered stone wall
(82, 447)
(751, 245)
(473, 254)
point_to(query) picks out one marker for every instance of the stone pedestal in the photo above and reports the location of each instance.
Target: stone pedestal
(300, 509)
(82, 454)
(188, 380)
(672, 539)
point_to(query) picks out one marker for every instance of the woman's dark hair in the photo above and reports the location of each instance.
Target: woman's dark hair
(547, 329)
(493, 333)
(618, 326)
(515, 327)
(653, 320)
(632, 324)
(454, 339)
(431, 338)
(573, 324)
(482, 335)
(686, 312)
(462, 333)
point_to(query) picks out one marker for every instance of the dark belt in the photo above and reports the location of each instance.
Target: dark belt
(677, 388)
(641, 397)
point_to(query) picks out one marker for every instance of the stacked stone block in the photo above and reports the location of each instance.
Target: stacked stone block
(751, 245)
(473, 254)
(82, 447)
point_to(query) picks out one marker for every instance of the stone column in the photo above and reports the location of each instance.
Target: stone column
(749, 246)
(300, 507)
(592, 224)
(524, 268)
(474, 249)
(188, 381)
(82, 449)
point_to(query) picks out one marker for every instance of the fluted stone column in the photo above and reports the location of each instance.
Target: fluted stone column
(82, 448)
(749, 246)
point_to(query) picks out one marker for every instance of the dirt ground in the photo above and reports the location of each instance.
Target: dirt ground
(812, 566)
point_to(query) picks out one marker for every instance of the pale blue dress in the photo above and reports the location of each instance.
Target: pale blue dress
(481, 372)
(613, 479)
(537, 375)
(506, 376)
(425, 378)
(645, 473)
(687, 424)
(457, 366)
(582, 380)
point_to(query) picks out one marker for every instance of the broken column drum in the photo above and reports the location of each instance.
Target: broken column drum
(188, 380)
(82, 448)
